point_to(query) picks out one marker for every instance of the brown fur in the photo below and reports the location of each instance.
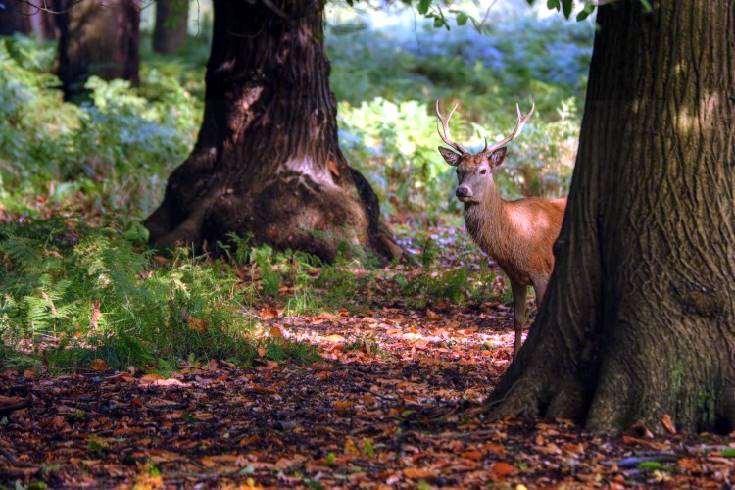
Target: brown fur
(519, 235)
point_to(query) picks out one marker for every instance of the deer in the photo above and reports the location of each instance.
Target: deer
(518, 235)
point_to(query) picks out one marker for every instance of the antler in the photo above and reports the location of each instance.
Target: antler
(444, 135)
(521, 121)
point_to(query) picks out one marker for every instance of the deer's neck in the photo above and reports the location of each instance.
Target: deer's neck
(489, 224)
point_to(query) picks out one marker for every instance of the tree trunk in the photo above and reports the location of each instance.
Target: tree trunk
(169, 33)
(24, 18)
(98, 38)
(639, 318)
(267, 161)
(14, 18)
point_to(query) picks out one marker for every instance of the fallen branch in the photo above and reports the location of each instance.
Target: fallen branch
(7, 409)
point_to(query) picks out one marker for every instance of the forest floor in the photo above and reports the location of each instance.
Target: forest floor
(394, 402)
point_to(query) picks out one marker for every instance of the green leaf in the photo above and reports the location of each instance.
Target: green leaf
(567, 6)
(553, 4)
(136, 233)
(585, 12)
(461, 19)
(651, 465)
(728, 452)
(423, 6)
(647, 5)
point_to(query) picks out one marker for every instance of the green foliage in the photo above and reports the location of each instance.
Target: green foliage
(113, 152)
(386, 116)
(71, 293)
(80, 293)
(566, 7)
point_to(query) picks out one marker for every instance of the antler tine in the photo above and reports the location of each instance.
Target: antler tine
(521, 121)
(444, 130)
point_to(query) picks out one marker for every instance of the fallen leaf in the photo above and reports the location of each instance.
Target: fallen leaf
(474, 455)
(150, 378)
(99, 365)
(342, 405)
(500, 470)
(416, 473)
(668, 424)
(268, 313)
(197, 324)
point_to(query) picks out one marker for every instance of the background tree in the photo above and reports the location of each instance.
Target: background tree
(27, 18)
(639, 321)
(13, 18)
(169, 32)
(98, 39)
(267, 160)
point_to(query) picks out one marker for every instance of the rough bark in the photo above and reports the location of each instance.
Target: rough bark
(98, 38)
(169, 33)
(639, 318)
(267, 160)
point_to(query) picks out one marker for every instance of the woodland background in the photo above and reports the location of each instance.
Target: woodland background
(124, 365)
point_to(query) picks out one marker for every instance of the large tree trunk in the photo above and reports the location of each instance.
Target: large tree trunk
(98, 38)
(639, 319)
(169, 33)
(267, 162)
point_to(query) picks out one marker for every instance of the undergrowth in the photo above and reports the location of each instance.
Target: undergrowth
(73, 293)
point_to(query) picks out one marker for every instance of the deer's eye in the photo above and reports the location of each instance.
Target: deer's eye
(483, 171)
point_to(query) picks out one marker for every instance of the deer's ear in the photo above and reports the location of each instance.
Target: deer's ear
(496, 158)
(450, 157)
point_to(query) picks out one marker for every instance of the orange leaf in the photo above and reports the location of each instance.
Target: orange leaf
(334, 338)
(501, 470)
(276, 332)
(197, 324)
(668, 424)
(417, 473)
(341, 405)
(147, 379)
(350, 447)
(493, 448)
(432, 315)
(29, 373)
(474, 455)
(268, 313)
(99, 365)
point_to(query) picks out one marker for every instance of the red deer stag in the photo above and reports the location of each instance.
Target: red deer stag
(518, 235)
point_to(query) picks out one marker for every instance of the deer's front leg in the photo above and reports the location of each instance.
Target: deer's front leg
(519, 313)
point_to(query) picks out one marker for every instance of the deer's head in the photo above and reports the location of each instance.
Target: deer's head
(475, 171)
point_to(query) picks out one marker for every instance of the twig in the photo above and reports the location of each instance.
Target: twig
(12, 408)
